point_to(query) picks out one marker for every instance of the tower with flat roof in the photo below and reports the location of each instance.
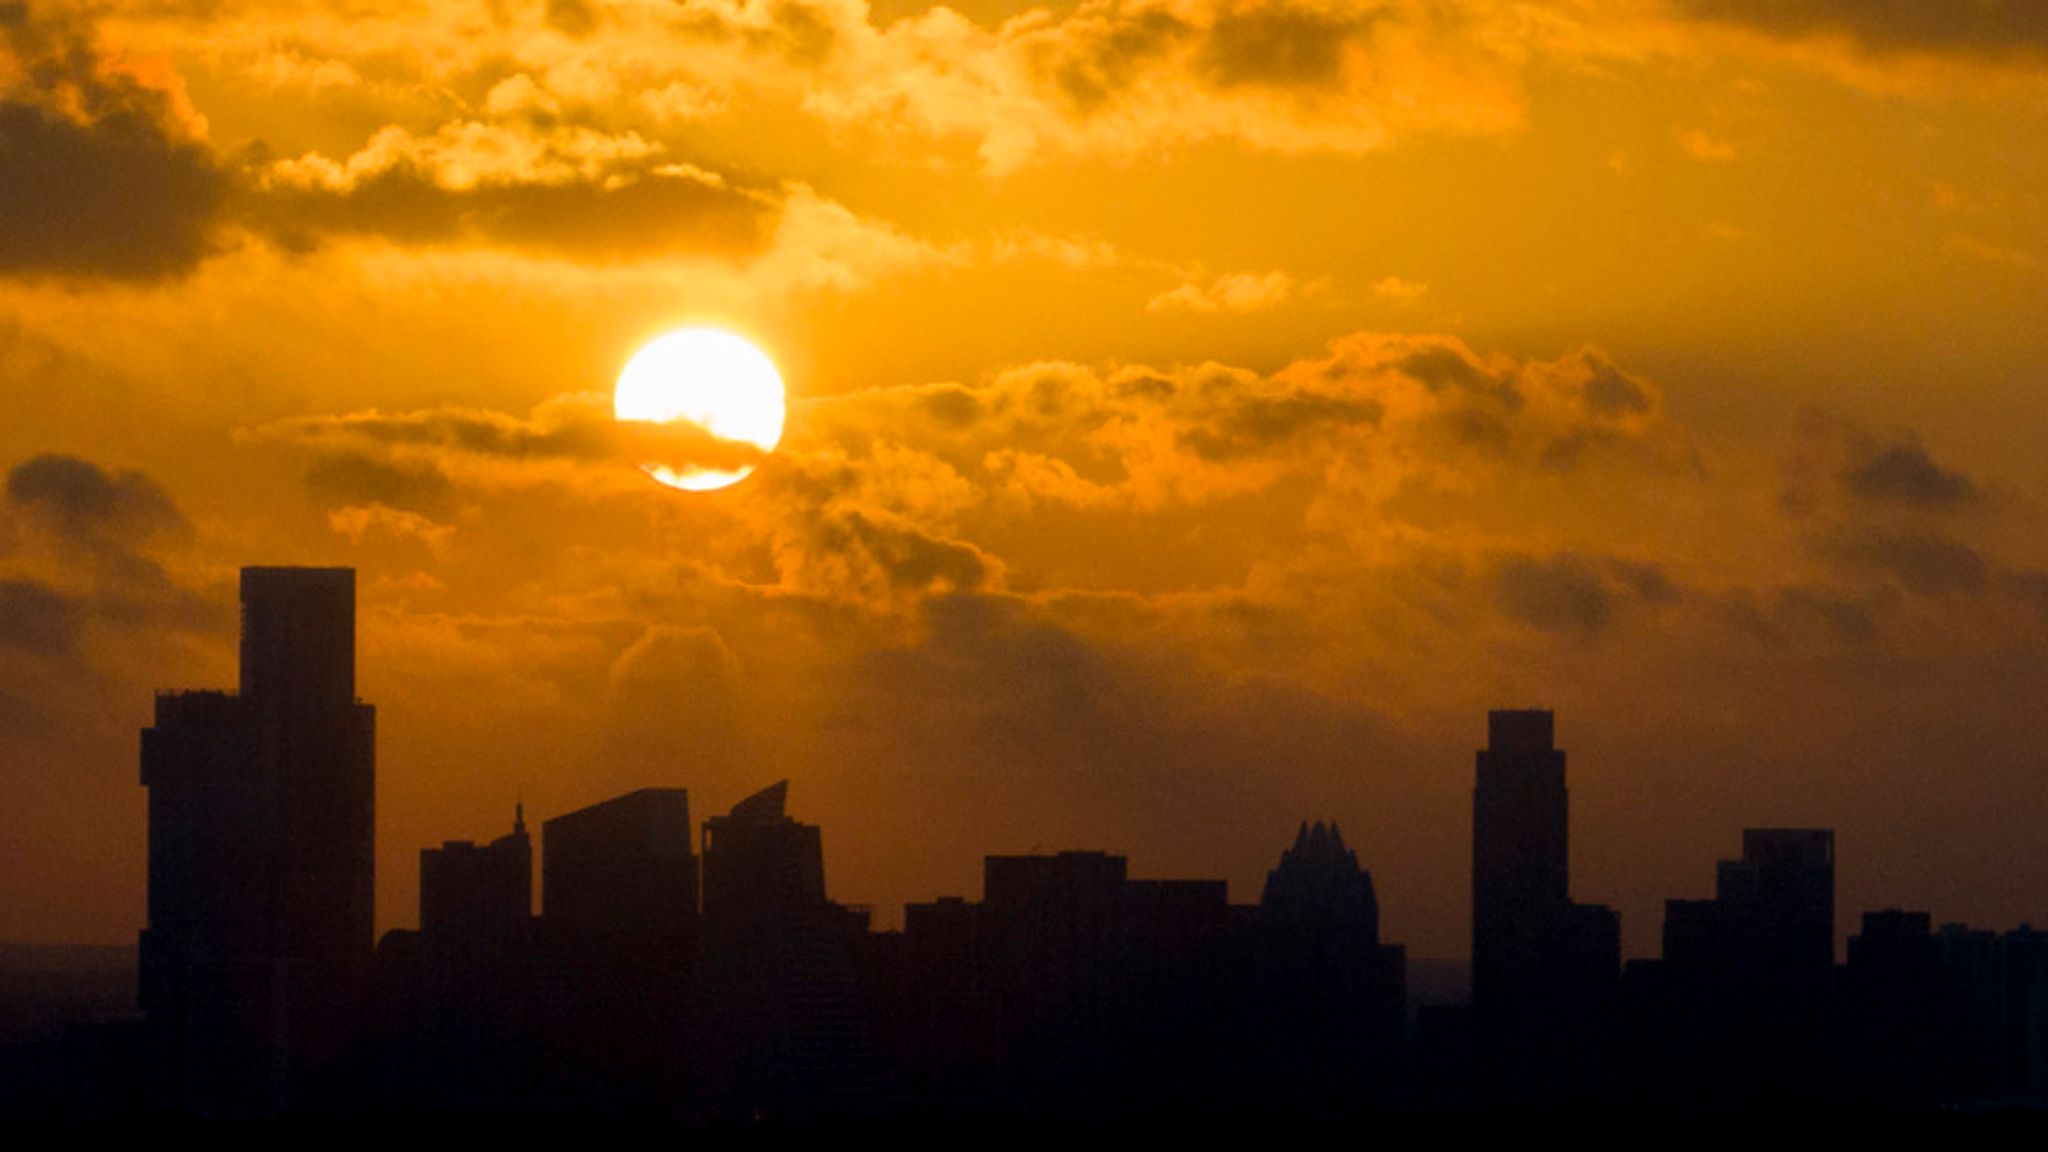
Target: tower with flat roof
(262, 859)
(1544, 968)
(1520, 857)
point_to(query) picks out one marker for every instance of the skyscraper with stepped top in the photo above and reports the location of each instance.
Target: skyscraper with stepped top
(262, 860)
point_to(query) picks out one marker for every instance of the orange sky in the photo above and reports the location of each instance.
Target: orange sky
(1201, 412)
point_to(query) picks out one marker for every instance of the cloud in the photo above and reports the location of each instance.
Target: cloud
(359, 521)
(1837, 472)
(114, 177)
(1996, 27)
(1398, 290)
(38, 620)
(85, 583)
(1903, 473)
(571, 438)
(1123, 76)
(556, 187)
(677, 695)
(1986, 252)
(908, 558)
(574, 17)
(1699, 145)
(357, 478)
(1923, 563)
(1257, 425)
(1789, 615)
(84, 503)
(1559, 594)
(1237, 292)
(107, 174)
(465, 155)
(1607, 391)
(1282, 45)
(1575, 594)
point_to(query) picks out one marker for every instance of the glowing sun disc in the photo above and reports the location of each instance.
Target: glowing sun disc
(715, 383)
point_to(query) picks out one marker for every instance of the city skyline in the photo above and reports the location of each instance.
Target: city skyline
(1648, 940)
(296, 733)
(658, 982)
(1142, 424)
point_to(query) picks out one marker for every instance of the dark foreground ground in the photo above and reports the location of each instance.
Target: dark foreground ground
(58, 1005)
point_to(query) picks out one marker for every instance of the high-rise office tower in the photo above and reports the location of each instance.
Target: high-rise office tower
(783, 980)
(619, 934)
(474, 977)
(1771, 923)
(1332, 996)
(1520, 857)
(262, 856)
(1751, 970)
(1543, 967)
(758, 862)
(622, 868)
(1048, 950)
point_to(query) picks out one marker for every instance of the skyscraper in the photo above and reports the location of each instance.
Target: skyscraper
(784, 977)
(262, 856)
(1332, 996)
(1543, 967)
(759, 863)
(1520, 858)
(1771, 923)
(474, 975)
(625, 867)
(1751, 970)
(620, 936)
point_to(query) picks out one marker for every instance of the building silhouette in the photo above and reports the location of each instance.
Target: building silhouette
(1047, 945)
(626, 867)
(1073, 991)
(479, 894)
(655, 984)
(1739, 1007)
(789, 1018)
(1779, 901)
(467, 1039)
(619, 949)
(1180, 945)
(1904, 1037)
(1544, 969)
(255, 965)
(1332, 998)
(934, 1032)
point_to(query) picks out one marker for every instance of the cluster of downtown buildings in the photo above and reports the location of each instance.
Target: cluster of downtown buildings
(698, 977)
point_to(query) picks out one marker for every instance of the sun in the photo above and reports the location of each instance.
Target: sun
(706, 405)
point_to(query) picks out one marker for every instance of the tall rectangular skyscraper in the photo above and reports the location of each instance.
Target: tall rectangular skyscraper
(619, 925)
(1520, 855)
(299, 638)
(1543, 967)
(262, 856)
(298, 676)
